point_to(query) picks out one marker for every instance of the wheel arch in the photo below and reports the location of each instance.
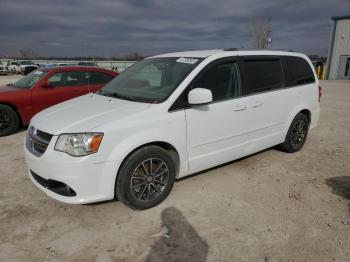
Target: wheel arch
(307, 113)
(165, 145)
(300, 109)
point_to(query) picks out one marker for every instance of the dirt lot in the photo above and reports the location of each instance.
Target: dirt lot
(271, 206)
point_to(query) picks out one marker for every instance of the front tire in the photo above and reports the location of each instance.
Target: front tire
(297, 134)
(146, 178)
(9, 120)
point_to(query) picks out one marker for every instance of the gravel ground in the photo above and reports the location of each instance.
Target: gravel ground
(271, 206)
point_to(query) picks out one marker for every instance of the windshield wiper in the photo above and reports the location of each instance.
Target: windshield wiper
(125, 97)
(10, 84)
(115, 95)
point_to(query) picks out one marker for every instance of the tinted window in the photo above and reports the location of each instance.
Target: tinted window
(297, 71)
(96, 78)
(223, 80)
(74, 78)
(262, 75)
(56, 80)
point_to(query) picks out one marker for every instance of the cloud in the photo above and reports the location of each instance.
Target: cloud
(110, 27)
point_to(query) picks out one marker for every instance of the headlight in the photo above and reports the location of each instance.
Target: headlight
(79, 144)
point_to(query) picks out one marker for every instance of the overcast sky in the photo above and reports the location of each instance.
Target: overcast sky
(117, 27)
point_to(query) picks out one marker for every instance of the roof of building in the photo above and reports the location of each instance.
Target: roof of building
(343, 17)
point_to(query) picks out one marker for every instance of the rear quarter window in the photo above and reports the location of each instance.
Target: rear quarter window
(297, 71)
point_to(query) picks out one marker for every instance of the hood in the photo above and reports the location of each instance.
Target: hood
(85, 113)
(7, 89)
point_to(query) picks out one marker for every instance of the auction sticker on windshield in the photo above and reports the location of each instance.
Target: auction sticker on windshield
(187, 60)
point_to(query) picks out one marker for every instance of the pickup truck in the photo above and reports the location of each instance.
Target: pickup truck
(25, 67)
(11, 66)
(3, 69)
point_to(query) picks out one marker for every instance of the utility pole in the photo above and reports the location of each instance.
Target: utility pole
(268, 38)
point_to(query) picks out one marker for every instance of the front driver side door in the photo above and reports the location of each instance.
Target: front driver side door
(218, 132)
(64, 86)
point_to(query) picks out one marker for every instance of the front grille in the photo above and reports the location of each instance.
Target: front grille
(37, 141)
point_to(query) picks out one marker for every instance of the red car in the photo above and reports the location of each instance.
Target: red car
(45, 87)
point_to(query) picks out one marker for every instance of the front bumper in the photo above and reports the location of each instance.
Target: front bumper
(90, 181)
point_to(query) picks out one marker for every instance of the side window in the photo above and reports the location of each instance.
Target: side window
(56, 80)
(75, 78)
(297, 71)
(223, 80)
(262, 75)
(95, 78)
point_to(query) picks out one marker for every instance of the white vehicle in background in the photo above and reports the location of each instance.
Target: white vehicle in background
(3, 69)
(25, 67)
(62, 64)
(170, 116)
(11, 66)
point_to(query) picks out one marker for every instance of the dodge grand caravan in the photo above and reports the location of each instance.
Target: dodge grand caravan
(169, 116)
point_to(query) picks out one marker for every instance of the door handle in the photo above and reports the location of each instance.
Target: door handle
(257, 104)
(239, 108)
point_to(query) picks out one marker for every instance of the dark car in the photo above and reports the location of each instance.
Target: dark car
(45, 87)
(87, 63)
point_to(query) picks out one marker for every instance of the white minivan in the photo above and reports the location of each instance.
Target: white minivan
(170, 116)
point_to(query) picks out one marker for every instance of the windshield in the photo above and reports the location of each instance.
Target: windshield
(31, 79)
(151, 80)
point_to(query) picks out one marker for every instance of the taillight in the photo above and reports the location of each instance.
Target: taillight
(319, 93)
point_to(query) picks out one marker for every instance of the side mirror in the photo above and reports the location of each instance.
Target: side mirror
(46, 84)
(200, 96)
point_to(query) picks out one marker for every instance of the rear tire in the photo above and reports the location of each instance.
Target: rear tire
(9, 120)
(297, 134)
(145, 178)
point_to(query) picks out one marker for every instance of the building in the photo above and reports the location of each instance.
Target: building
(338, 61)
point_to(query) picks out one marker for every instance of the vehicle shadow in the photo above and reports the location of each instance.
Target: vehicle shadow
(102, 202)
(183, 244)
(340, 186)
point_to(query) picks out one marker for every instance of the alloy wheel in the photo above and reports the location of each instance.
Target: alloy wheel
(5, 121)
(149, 179)
(298, 133)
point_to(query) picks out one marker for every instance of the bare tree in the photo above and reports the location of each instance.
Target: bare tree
(25, 53)
(260, 30)
(134, 56)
